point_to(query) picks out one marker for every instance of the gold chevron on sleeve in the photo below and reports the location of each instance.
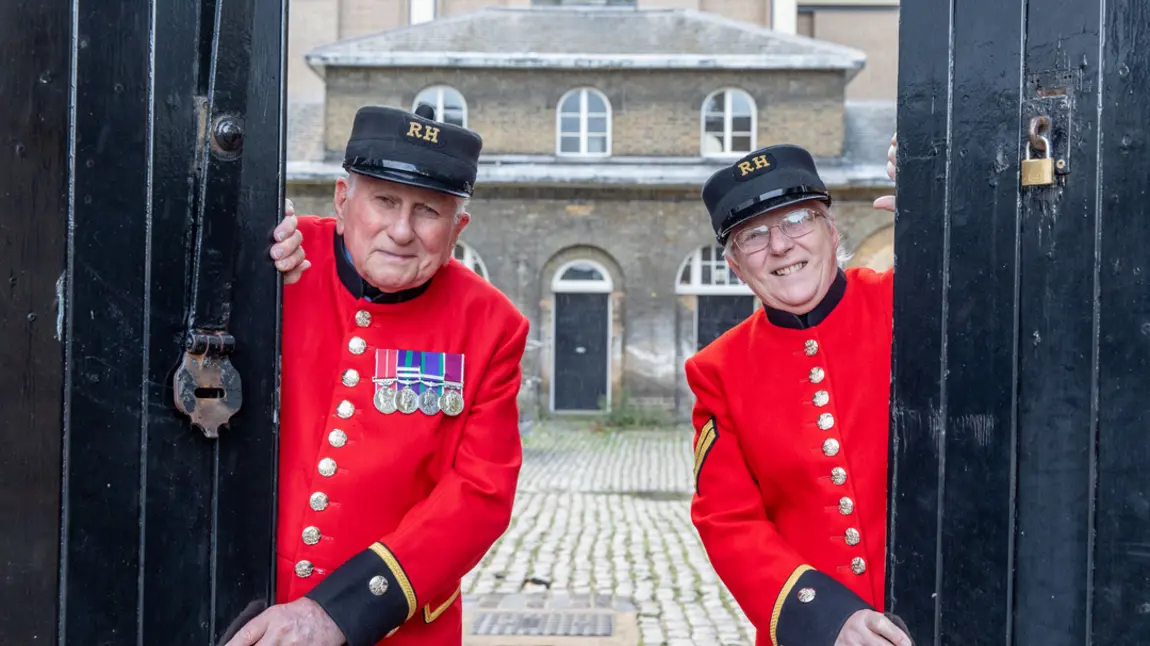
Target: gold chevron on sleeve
(707, 436)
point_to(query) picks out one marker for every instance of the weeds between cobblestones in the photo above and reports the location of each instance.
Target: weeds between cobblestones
(608, 514)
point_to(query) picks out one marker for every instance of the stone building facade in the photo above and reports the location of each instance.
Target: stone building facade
(599, 129)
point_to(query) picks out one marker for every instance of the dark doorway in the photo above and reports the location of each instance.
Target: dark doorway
(717, 314)
(581, 339)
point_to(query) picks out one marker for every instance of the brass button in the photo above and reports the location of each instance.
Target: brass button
(831, 447)
(806, 595)
(811, 347)
(345, 409)
(357, 345)
(858, 565)
(351, 378)
(817, 375)
(311, 535)
(377, 585)
(846, 506)
(327, 467)
(839, 476)
(363, 318)
(303, 569)
(821, 398)
(826, 421)
(337, 438)
(852, 536)
(318, 501)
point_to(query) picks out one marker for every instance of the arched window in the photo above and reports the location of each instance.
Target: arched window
(470, 259)
(584, 123)
(582, 277)
(729, 123)
(448, 103)
(705, 271)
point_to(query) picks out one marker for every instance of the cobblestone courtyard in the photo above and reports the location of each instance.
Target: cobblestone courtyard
(607, 514)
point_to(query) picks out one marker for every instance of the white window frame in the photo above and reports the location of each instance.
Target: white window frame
(471, 259)
(583, 117)
(438, 102)
(694, 263)
(411, 11)
(728, 135)
(560, 286)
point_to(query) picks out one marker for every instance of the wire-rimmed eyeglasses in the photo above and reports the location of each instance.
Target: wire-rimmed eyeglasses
(795, 224)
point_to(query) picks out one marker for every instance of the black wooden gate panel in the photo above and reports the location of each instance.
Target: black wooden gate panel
(166, 535)
(1020, 497)
(581, 336)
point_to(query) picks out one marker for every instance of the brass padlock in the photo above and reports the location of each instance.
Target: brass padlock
(1038, 172)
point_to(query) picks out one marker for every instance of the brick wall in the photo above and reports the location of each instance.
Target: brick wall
(653, 113)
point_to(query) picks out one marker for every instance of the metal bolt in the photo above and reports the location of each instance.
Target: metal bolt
(1061, 164)
(229, 135)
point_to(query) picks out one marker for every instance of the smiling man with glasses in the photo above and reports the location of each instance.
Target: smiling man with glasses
(791, 414)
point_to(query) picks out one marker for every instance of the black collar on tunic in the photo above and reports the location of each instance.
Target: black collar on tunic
(816, 315)
(360, 288)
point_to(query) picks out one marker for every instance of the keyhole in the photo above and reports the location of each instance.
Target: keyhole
(209, 393)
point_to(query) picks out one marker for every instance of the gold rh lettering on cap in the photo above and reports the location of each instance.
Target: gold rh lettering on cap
(420, 131)
(759, 162)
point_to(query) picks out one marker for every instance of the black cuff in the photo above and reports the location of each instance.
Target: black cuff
(368, 597)
(815, 609)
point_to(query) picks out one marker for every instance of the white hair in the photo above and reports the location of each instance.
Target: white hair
(459, 211)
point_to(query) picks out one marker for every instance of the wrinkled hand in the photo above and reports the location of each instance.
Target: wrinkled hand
(886, 202)
(869, 628)
(288, 252)
(299, 623)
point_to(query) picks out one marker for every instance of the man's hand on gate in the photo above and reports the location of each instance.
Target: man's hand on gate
(299, 623)
(288, 252)
(886, 202)
(869, 628)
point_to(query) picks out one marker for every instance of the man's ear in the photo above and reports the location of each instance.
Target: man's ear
(342, 189)
(461, 222)
(734, 265)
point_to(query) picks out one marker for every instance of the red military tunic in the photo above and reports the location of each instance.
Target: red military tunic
(790, 460)
(380, 515)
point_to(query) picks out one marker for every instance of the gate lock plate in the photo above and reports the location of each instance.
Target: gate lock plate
(206, 385)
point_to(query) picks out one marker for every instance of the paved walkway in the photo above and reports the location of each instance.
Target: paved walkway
(607, 515)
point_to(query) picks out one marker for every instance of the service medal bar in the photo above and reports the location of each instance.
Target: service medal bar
(385, 375)
(431, 380)
(451, 401)
(407, 375)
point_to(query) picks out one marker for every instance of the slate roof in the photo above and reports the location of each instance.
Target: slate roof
(587, 37)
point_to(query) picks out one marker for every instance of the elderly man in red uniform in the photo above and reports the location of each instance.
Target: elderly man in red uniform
(400, 447)
(791, 415)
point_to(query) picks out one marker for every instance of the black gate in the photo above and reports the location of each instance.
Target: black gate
(1020, 489)
(140, 151)
(581, 332)
(716, 314)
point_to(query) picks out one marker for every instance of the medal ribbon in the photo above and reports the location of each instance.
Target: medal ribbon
(384, 368)
(407, 372)
(431, 374)
(453, 369)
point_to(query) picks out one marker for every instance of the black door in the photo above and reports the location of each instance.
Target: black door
(1020, 487)
(717, 314)
(581, 332)
(141, 163)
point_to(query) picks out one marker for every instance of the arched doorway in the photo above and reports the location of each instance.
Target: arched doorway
(722, 300)
(581, 333)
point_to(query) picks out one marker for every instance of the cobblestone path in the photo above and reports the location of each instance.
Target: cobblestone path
(608, 514)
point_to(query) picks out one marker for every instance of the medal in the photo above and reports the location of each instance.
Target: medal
(431, 379)
(384, 379)
(451, 401)
(407, 374)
